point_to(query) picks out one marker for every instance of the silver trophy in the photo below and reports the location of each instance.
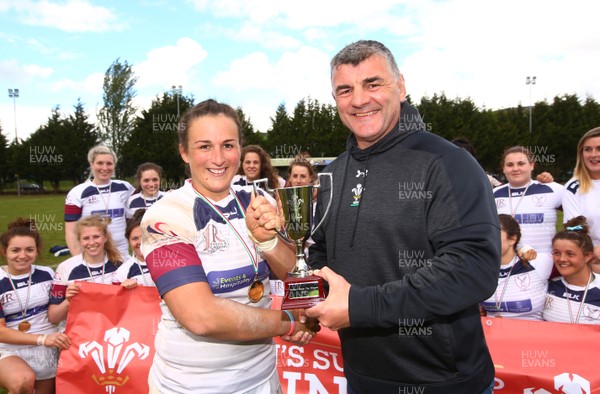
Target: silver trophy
(302, 290)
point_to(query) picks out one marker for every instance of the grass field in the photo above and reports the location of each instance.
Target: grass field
(47, 210)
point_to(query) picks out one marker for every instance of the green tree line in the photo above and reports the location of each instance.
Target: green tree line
(57, 150)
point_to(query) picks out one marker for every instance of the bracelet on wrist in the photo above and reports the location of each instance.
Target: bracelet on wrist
(292, 323)
(41, 339)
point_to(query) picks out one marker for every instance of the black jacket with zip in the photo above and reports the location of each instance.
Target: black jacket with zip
(418, 238)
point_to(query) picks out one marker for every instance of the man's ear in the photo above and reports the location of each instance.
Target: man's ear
(402, 88)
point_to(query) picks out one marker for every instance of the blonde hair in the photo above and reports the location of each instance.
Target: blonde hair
(100, 150)
(581, 172)
(111, 250)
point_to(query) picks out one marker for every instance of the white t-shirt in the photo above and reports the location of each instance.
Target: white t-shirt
(564, 302)
(110, 200)
(523, 296)
(535, 211)
(133, 269)
(75, 269)
(576, 203)
(138, 201)
(36, 312)
(186, 241)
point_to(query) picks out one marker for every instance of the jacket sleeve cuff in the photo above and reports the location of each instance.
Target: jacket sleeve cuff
(361, 307)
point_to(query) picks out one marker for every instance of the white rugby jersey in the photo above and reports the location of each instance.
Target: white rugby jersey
(138, 201)
(535, 212)
(524, 295)
(133, 269)
(75, 269)
(37, 308)
(561, 295)
(184, 241)
(86, 199)
(576, 203)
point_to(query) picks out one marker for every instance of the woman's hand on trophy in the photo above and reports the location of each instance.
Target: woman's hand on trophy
(304, 328)
(262, 219)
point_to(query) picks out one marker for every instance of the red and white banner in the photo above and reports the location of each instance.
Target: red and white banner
(112, 340)
(535, 357)
(112, 334)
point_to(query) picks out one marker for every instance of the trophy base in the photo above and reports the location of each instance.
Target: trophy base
(301, 293)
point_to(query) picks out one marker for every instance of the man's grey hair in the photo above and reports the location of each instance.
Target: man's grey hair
(359, 51)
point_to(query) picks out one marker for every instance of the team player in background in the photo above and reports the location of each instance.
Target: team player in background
(101, 196)
(522, 285)
(134, 271)
(216, 329)
(96, 263)
(256, 164)
(531, 203)
(582, 195)
(29, 343)
(147, 188)
(574, 297)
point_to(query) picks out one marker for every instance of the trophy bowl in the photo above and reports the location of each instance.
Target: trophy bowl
(301, 290)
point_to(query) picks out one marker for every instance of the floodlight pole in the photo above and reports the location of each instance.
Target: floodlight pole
(14, 94)
(530, 81)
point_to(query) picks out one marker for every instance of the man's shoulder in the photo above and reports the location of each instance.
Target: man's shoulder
(429, 143)
(337, 162)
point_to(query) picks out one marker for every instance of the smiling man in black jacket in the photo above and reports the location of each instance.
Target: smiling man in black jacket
(411, 245)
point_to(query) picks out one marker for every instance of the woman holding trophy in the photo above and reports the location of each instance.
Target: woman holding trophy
(212, 272)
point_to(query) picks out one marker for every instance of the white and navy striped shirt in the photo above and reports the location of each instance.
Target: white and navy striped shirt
(564, 302)
(535, 211)
(138, 201)
(11, 310)
(524, 295)
(186, 241)
(133, 269)
(110, 200)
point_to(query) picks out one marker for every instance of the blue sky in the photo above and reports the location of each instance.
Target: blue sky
(259, 53)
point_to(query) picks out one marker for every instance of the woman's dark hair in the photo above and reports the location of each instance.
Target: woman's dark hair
(145, 167)
(577, 231)
(511, 228)
(208, 107)
(21, 227)
(266, 169)
(464, 143)
(134, 222)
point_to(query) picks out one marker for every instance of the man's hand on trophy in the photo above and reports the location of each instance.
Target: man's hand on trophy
(262, 219)
(333, 312)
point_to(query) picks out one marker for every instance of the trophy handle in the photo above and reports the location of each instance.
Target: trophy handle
(266, 182)
(318, 186)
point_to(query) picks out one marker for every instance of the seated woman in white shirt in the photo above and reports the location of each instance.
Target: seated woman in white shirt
(134, 271)
(522, 285)
(574, 297)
